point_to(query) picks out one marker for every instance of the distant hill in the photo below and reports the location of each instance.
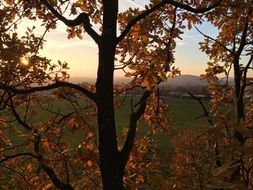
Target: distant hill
(93, 80)
(177, 81)
(185, 81)
(82, 79)
(178, 86)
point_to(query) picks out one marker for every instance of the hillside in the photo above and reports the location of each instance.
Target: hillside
(177, 81)
(185, 81)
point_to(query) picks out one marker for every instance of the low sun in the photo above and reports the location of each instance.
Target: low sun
(24, 61)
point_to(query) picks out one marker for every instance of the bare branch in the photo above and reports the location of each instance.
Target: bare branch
(206, 113)
(218, 161)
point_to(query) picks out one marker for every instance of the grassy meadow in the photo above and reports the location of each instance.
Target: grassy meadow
(182, 111)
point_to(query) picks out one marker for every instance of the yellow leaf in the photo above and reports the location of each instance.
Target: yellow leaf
(79, 35)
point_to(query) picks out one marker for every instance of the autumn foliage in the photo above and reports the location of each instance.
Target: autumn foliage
(58, 135)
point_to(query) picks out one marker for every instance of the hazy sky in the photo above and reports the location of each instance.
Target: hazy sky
(82, 55)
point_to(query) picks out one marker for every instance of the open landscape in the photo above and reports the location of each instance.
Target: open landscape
(183, 113)
(126, 95)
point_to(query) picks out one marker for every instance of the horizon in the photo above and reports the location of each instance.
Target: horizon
(129, 78)
(82, 55)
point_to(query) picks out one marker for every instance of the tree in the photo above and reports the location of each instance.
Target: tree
(231, 105)
(233, 45)
(112, 161)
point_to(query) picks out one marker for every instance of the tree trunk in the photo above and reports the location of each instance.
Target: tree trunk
(110, 164)
(239, 109)
(238, 98)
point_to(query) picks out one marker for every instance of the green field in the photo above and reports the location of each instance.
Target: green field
(182, 111)
(185, 112)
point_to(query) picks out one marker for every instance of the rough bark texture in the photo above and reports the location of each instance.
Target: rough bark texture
(238, 97)
(112, 172)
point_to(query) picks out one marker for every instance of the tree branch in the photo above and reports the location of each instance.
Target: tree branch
(244, 35)
(218, 160)
(168, 45)
(18, 118)
(64, 117)
(244, 77)
(57, 84)
(82, 18)
(17, 155)
(134, 117)
(159, 5)
(249, 84)
(50, 172)
(17, 172)
(216, 41)
(206, 113)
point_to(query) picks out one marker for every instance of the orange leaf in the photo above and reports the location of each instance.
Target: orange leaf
(89, 163)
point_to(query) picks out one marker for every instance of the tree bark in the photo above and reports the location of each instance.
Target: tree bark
(110, 165)
(239, 99)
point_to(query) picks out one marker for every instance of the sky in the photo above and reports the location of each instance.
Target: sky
(82, 55)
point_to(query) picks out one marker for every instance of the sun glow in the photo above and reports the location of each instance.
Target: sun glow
(24, 61)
